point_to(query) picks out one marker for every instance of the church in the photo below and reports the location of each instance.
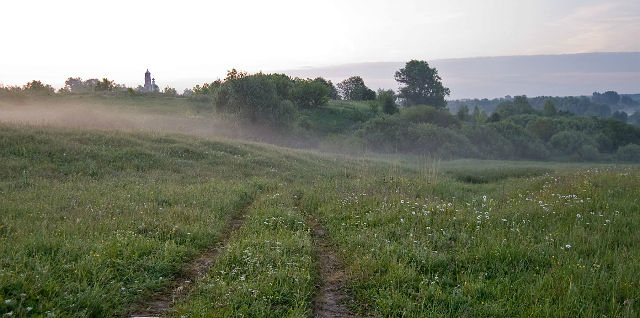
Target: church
(149, 83)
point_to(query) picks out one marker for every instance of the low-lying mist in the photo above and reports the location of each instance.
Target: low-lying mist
(89, 115)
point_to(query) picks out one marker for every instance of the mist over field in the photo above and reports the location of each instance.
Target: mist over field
(127, 116)
(320, 159)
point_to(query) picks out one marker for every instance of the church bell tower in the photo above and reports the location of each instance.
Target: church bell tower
(147, 81)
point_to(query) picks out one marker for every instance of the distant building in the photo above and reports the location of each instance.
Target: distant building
(150, 83)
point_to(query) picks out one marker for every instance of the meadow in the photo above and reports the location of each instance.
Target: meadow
(101, 223)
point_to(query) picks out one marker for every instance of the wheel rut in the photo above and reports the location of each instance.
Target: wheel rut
(331, 298)
(160, 304)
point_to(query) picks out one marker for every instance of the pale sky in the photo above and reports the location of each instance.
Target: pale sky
(188, 42)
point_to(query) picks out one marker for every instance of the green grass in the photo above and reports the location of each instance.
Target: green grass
(149, 104)
(336, 117)
(475, 175)
(93, 222)
(266, 271)
(410, 252)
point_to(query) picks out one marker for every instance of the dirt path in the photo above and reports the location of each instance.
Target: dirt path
(330, 299)
(160, 304)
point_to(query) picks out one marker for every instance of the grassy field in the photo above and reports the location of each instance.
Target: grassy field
(93, 223)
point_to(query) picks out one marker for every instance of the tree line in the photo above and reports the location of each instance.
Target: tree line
(415, 119)
(609, 104)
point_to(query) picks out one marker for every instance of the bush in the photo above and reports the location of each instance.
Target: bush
(374, 108)
(519, 105)
(284, 115)
(571, 142)
(589, 153)
(541, 128)
(254, 96)
(489, 142)
(525, 144)
(445, 142)
(428, 114)
(200, 98)
(629, 153)
(393, 134)
(387, 99)
(310, 94)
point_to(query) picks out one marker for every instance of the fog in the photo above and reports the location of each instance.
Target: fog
(88, 115)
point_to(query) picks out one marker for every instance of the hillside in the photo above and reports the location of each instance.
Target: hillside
(98, 223)
(516, 130)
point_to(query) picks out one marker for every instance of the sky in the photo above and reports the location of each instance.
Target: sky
(187, 42)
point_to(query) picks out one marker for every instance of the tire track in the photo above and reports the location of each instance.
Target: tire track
(160, 304)
(331, 298)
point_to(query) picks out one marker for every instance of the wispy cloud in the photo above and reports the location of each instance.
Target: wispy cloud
(609, 26)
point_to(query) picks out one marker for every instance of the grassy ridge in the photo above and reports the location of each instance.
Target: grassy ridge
(91, 222)
(552, 245)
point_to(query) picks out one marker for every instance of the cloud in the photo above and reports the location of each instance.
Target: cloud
(599, 27)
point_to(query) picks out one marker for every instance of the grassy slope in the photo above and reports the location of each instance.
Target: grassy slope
(336, 117)
(145, 104)
(92, 221)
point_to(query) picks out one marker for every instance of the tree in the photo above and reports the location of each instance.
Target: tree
(353, 88)
(38, 88)
(422, 85)
(542, 128)
(628, 101)
(255, 96)
(519, 105)
(104, 85)
(73, 84)
(333, 92)
(310, 93)
(549, 109)
(479, 116)
(207, 88)
(620, 115)
(608, 97)
(170, 91)
(463, 113)
(387, 98)
(494, 118)
(629, 153)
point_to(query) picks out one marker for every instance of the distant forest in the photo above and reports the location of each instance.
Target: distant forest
(623, 107)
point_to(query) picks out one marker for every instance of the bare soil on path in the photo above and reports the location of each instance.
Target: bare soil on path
(331, 297)
(159, 304)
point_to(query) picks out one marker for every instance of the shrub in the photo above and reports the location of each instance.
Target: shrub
(541, 128)
(387, 99)
(519, 105)
(310, 94)
(589, 153)
(629, 153)
(489, 142)
(428, 114)
(570, 141)
(525, 144)
(284, 115)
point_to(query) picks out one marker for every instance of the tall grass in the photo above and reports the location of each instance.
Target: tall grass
(92, 222)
